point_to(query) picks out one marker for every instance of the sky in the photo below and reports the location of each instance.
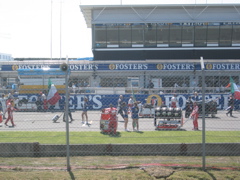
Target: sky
(55, 28)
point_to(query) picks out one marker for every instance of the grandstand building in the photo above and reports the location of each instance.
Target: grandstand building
(175, 31)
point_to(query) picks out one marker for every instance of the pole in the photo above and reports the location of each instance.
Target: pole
(66, 118)
(60, 29)
(203, 116)
(51, 32)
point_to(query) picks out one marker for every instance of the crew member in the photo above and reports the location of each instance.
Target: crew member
(195, 115)
(10, 109)
(230, 105)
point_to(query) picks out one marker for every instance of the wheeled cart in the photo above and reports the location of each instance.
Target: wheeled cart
(169, 118)
(109, 120)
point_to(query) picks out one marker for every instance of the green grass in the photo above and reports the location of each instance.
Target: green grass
(159, 137)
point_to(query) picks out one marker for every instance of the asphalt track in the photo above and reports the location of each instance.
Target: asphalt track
(42, 121)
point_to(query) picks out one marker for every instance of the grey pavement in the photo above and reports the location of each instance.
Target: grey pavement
(42, 121)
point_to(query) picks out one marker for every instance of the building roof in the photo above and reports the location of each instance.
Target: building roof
(160, 13)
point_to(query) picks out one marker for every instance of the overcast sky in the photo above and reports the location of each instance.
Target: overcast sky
(27, 29)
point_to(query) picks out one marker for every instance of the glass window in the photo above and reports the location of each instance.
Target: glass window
(137, 35)
(113, 82)
(236, 35)
(187, 35)
(175, 39)
(213, 34)
(200, 35)
(163, 35)
(225, 35)
(112, 35)
(150, 35)
(125, 35)
(100, 36)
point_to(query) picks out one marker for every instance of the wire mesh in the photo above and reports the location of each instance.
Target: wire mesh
(123, 115)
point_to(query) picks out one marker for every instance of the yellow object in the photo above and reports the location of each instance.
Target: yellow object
(36, 89)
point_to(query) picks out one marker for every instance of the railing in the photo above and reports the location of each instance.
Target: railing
(124, 90)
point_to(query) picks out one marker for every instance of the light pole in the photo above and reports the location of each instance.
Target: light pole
(203, 115)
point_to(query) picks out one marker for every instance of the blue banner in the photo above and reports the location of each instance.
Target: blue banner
(98, 102)
(131, 67)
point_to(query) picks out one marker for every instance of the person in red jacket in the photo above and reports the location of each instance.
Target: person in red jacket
(195, 115)
(10, 109)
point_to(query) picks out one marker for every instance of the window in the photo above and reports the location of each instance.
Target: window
(175, 35)
(113, 82)
(125, 35)
(163, 35)
(236, 35)
(187, 35)
(200, 35)
(225, 35)
(100, 36)
(213, 34)
(112, 35)
(150, 35)
(137, 35)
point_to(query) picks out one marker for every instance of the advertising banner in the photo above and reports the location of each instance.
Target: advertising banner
(98, 101)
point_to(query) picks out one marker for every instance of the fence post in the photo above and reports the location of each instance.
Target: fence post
(66, 116)
(203, 115)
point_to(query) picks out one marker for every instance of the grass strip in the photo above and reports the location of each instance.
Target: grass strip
(148, 137)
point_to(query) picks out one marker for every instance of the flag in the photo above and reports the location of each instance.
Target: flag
(234, 89)
(229, 84)
(53, 96)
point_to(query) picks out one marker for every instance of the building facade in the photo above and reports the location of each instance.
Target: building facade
(141, 32)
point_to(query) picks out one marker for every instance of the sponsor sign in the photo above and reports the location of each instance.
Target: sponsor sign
(131, 67)
(98, 102)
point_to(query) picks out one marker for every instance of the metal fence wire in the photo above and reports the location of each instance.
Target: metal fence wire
(164, 115)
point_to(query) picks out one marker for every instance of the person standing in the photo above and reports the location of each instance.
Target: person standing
(44, 100)
(135, 117)
(130, 103)
(125, 115)
(230, 105)
(85, 109)
(174, 101)
(10, 109)
(195, 115)
(3, 101)
(150, 85)
(195, 97)
(140, 106)
(10, 95)
(119, 106)
(69, 114)
(189, 107)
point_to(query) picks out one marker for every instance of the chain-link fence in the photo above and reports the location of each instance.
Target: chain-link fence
(121, 113)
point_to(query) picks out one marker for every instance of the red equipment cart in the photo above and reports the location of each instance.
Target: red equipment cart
(109, 120)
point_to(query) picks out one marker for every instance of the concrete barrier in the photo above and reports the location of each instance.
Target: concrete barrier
(47, 150)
